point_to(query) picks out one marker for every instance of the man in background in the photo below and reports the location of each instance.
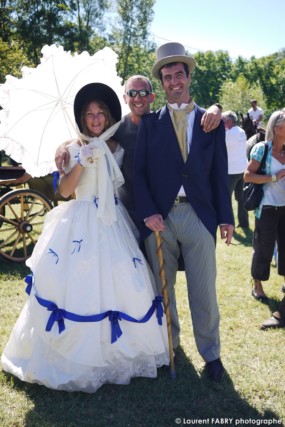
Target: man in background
(255, 113)
(237, 162)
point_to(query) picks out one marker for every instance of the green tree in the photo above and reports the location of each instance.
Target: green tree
(12, 56)
(240, 68)
(266, 72)
(88, 24)
(271, 77)
(77, 25)
(212, 69)
(6, 19)
(236, 95)
(12, 59)
(40, 22)
(130, 37)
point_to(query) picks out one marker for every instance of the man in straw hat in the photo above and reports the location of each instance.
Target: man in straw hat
(181, 190)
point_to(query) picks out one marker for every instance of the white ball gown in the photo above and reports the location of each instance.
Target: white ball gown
(87, 265)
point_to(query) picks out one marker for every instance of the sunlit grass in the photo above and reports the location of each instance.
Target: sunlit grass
(253, 388)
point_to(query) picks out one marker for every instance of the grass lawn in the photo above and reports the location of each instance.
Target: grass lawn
(251, 393)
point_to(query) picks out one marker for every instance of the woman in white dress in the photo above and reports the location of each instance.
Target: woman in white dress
(92, 316)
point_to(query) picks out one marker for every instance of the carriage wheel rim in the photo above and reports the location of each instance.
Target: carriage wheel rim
(21, 228)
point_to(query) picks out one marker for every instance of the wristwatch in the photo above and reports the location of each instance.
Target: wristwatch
(274, 178)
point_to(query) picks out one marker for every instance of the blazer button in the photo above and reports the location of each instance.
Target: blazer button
(185, 175)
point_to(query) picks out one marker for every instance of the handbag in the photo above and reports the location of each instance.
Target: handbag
(252, 193)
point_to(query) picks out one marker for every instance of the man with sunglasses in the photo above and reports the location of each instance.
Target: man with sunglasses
(138, 96)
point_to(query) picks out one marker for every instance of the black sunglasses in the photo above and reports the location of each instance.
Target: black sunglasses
(142, 92)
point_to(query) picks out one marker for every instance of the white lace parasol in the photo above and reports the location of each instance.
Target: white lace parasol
(37, 113)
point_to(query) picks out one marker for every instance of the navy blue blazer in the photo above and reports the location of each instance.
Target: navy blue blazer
(159, 171)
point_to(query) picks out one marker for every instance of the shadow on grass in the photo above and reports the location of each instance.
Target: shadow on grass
(13, 269)
(243, 236)
(189, 399)
(273, 305)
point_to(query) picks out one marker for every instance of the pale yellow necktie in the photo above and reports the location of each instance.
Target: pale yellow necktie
(180, 123)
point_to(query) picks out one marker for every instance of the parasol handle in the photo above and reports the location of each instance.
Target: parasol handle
(165, 301)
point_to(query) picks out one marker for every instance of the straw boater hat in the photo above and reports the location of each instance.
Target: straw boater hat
(171, 52)
(100, 92)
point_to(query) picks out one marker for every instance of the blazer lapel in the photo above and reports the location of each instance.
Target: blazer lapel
(196, 134)
(168, 134)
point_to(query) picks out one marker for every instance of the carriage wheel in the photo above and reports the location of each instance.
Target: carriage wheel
(22, 214)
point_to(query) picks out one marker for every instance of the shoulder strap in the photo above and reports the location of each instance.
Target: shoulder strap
(262, 163)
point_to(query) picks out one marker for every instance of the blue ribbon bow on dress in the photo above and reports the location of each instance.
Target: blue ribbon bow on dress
(59, 314)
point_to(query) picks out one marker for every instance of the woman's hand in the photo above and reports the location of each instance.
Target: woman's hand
(280, 174)
(62, 157)
(88, 154)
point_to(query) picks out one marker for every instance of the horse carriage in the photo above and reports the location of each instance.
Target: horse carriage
(24, 202)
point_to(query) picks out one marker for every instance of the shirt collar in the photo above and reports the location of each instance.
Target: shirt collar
(175, 106)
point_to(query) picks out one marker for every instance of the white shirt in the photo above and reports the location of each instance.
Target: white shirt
(274, 192)
(236, 149)
(254, 115)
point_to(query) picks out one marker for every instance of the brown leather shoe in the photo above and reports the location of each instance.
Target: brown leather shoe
(273, 322)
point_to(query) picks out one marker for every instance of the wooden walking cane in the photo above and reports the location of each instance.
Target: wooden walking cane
(166, 301)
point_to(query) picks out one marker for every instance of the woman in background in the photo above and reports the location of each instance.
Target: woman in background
(270, 215)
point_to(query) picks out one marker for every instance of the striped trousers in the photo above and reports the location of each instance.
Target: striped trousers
(184, 231)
